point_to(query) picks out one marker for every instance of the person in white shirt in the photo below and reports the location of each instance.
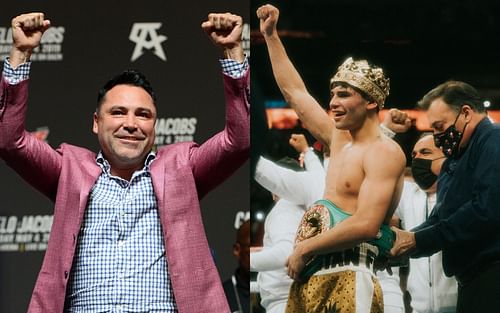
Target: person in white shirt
(431, 291)
(299, 187)
(279, 233)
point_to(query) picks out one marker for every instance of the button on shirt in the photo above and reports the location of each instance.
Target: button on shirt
(120, 264)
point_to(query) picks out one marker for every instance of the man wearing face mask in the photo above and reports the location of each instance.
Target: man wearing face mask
(431, 291)
(465, 221)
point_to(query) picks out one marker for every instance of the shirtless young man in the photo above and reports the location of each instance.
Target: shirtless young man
(364, 179)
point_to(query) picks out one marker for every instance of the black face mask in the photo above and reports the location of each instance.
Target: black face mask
(449, 140)
(422, 173)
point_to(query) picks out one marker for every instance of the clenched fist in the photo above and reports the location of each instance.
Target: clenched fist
(268, 16)
(224, 29)
(397, 121)
(299, 143)
(27, 31)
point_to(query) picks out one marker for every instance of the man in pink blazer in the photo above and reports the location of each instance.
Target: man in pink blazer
(80, 273)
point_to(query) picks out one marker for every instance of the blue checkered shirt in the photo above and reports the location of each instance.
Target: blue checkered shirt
(119, 263)
(234, 68)
(14, 76)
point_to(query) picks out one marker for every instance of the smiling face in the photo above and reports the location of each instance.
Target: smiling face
(348, 107)
(124, 126)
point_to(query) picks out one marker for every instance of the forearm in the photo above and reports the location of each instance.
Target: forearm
(283, 182)
(345, 235)
(463, 227)
(237, 115)
(288, 79)
(431, 220)
(12, 113)
(235, 53)
(218, 157)
(18, 56)
(295, 92)
(313, 163)
(32, 158)
(270, 259)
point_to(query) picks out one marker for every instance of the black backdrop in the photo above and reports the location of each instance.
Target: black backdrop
(89, 42)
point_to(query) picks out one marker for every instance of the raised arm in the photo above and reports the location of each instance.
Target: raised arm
(301, 188)
(31, 158)
(308, 158)
(289, 81)
(218, 157)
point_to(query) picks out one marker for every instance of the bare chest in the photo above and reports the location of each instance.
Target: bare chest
(344, 175)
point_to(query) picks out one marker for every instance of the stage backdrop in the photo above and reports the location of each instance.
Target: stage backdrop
(89, 42)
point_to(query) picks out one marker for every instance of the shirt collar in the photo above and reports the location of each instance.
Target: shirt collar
(104, 164)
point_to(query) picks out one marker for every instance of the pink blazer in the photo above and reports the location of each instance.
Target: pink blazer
(182, 174)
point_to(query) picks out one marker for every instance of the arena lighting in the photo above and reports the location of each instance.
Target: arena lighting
(259, 216)
(286, 118)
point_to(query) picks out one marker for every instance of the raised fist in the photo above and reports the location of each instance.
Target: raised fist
(268, 16)
(299, 143)
(27, 30)
(397, 121)
(224, 29)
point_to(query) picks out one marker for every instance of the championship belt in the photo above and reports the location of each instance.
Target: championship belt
(324, 215)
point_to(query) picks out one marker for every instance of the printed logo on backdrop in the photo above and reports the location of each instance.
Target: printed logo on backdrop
(29, 232)
(245, 39)
(24, 233)
(174, 129)
(240, 218)
(146, 37)
(50, 48)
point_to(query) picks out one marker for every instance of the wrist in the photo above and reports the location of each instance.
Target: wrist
(387, 131)
(413, 240)
(270, 35)
(18, 57)
(306, 149)
(302, 250)
(410, 244)
(235, 53)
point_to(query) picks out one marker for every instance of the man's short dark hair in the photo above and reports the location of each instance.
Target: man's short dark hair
(128, 77)
(456, 94)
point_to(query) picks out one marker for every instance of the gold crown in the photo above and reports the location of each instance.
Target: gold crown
(368, 79)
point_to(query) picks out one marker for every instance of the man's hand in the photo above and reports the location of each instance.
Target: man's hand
(224, 29)
(296, 261)
(27, 31)
(299, 143)
(268, 16)
(405, 243)
(397, 121)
